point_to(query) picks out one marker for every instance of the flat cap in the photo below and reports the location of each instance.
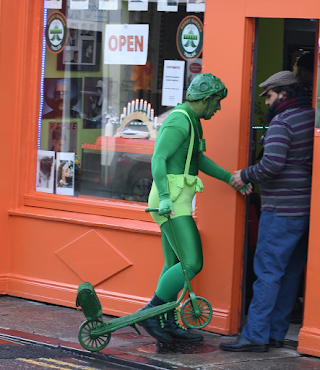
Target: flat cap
(283, 78)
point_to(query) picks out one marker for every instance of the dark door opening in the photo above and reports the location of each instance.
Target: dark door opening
(279, 43)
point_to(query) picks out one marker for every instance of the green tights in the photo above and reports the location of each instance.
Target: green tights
(172, 280)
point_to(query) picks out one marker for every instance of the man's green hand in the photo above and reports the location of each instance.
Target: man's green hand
(165, 207)
(242, 190)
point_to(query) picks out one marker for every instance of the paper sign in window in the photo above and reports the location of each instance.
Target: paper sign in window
(172, 86)
(79, 4)
(126, 44)
(195, 6)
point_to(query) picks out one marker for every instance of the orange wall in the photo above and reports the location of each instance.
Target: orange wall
(13, 17)
(309, 337)
(44, 252)
(220, 209)
(225, 55)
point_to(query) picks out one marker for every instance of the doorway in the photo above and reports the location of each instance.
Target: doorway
(279, 43)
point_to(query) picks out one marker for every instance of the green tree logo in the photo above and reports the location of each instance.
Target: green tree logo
(56, 32)
(190, 37)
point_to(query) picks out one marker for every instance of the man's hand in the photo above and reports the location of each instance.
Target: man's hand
(238, 184)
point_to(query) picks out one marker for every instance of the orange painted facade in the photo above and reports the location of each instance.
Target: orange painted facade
(52, 244)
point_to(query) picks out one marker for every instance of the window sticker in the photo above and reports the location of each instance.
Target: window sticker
(167, 6)
(56, 32)
(138, 5)
(194, 67)
(190, 37)
(195, 5)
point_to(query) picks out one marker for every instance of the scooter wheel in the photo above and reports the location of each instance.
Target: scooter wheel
(90, 341)
(193, 320)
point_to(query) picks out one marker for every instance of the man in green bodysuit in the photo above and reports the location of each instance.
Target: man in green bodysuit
(170, 159)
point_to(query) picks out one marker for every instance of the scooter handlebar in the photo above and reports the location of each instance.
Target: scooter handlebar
(152, 209)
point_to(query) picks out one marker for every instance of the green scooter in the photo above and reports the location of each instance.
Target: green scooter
(94, 334)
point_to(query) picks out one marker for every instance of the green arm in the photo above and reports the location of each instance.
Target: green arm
(210, 168)
(207, 166)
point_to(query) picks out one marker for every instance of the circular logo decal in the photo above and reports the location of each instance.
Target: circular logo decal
(56, 32)
(190, 37)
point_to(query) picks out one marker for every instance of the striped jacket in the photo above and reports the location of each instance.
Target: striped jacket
(284, 172)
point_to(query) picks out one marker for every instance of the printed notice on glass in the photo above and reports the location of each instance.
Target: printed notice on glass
(138, 5)
(108, 4)
(172, 85)
(126, 44)
(79, 4)
(53, 4)
(195, 6)
(167, 6)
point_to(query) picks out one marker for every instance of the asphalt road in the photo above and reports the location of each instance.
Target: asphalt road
(21, 356)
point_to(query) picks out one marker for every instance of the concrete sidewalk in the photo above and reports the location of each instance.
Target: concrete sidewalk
(58, 326)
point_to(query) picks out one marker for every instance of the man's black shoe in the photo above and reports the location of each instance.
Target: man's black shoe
(274, 343)
(243, 345)
(176, 331)
(155, 326)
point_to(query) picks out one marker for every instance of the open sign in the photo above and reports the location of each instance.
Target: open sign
(126, 44)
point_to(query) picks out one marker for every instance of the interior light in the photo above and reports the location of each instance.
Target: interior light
(43, 57)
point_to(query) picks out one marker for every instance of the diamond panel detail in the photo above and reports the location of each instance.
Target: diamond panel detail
(92, 258)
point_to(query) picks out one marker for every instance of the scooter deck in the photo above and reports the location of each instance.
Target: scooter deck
(130, 320)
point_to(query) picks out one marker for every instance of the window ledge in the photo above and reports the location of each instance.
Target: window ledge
(137, 226)
(101, 207)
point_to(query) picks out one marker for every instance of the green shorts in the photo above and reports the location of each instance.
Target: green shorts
(182, 205)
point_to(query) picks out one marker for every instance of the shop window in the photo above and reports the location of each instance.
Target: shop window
(113, 70)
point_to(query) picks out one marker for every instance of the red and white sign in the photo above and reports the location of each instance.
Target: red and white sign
(194, 67)
(126, 44)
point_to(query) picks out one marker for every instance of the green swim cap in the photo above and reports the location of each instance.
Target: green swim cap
(205, 84)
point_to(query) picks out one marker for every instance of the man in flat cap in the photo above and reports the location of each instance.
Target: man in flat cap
(284, 177)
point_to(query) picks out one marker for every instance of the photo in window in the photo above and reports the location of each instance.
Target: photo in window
(62, 98)
(45, 171)
(97, 99)
(138, 5)
(195, 5)
(65, 173)
(52, 4)
(108, 4)
(63, 136)
(79, 4)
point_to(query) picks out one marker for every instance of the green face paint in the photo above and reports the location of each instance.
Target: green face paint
(213, 104)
